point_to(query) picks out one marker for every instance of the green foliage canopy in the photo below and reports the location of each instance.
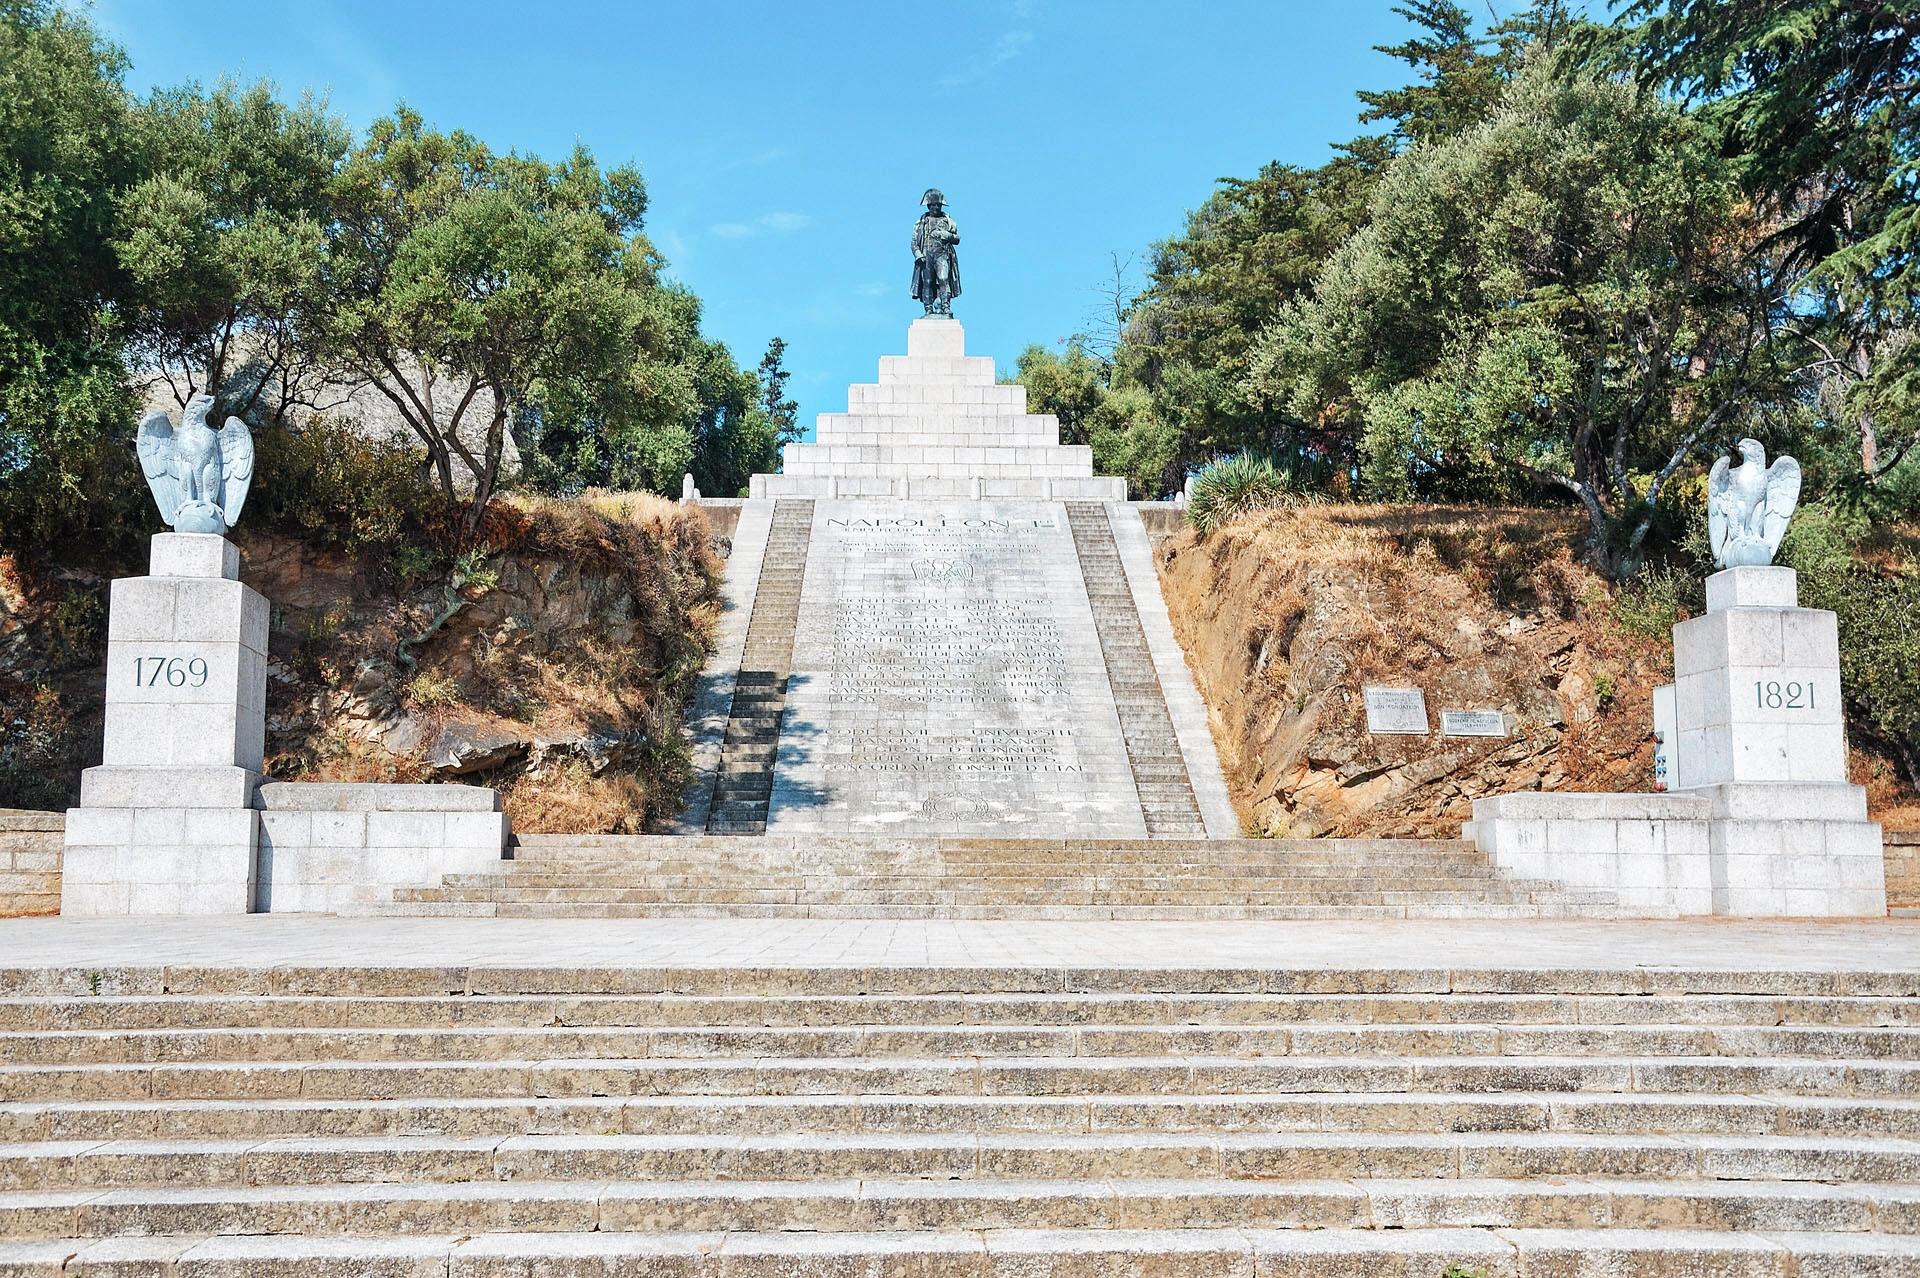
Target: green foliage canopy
(223, 242)
(66, 151)
(1557, 294)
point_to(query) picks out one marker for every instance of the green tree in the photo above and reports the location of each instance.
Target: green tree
(1129, 435)
(461, 284)
(733, 438)
(65, 154)
(1560, 295)
(1257, 243)
(224, 242)
(782, 414)
(1817, 106)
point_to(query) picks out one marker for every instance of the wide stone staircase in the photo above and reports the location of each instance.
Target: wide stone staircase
(616, 876)
(965, 1122)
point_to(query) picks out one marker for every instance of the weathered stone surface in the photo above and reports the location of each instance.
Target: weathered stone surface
(331, 1096)
(460, 748)
(30, 862)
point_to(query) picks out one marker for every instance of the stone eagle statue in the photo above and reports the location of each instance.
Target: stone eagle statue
(199, 476)
(1748, 506)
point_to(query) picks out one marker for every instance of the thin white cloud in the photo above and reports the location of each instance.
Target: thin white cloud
(779, 222)
(1010, 45)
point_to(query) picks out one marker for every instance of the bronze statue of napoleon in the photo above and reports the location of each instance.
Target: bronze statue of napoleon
(936, 266)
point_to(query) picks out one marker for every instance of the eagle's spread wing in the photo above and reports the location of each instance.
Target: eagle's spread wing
(236, 468)
(160, 463)
(1718, 496)
(1783, 493)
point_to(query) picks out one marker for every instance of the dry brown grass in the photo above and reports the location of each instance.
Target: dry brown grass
(572, 800)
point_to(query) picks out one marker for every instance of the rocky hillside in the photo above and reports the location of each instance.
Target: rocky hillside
(1286, 614)
(554, 662)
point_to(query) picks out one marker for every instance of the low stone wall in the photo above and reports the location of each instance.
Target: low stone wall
(30, 862)
(1903, 869)
(1651, 850)
(340, 848)
(1162, 518)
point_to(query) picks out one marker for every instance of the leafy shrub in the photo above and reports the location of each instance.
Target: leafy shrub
(1234, 486)
(330, 485)
(432, 688)
(1653, 603)
(91, 510)
(1879, 655)
(1879, 643)
(39, 747)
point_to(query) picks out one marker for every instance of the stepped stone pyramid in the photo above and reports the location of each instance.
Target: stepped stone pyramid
(937, 425)
(941, 623)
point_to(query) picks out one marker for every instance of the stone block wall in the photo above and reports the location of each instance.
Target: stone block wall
(342, 848)
(938, 426)
(29, 862)
(1651, 850)
(1903, 869)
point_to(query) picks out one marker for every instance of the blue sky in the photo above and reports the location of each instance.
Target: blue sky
(785, 145)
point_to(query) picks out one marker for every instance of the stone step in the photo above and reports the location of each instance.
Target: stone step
(954, 845)
(854, 1206)
(1051, 912)
(998, 1076)
(1663, 1114)
(1190, 1253)
(1171, 871)
(590, 904)
(188, 1011)
(1036, 866)
(56, 1047)
(962, 1156)
(1256, 896)
(1896, 985)
(531, 878)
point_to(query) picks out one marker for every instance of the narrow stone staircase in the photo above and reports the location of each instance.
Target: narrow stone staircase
(624, 876)
(962, 1123)
(1153, 751)
(743, 786)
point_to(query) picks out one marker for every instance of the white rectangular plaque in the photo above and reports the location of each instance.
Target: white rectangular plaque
(1473, 723)
(1396, 711)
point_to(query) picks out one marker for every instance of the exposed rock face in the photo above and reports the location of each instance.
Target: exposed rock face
(460, 748)
(1286, 616)
(560, 676)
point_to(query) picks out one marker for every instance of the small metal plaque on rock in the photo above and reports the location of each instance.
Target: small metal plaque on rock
(1401, 711)
(1473, 723)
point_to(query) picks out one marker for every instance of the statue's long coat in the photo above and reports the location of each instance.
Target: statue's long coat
(925, 248)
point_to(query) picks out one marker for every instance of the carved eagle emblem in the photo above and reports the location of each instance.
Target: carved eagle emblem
(199, 475)
(1748, 506)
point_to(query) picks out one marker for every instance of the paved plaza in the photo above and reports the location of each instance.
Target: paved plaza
(1493, 945)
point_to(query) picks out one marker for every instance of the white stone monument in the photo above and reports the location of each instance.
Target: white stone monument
(1761, 736)
(170, 822)
(941, 623)
(1759, 818)
(938, 425)
(166, 823)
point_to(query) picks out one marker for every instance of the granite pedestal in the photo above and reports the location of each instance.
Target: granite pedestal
(166, 823)
(1762, 737)
(1759, 819)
